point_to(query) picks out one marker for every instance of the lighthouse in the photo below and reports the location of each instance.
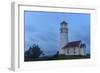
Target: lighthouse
(63, 36)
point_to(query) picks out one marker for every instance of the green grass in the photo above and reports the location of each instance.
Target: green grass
(59, 57)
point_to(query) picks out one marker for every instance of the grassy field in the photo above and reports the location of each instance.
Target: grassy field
(59, 57)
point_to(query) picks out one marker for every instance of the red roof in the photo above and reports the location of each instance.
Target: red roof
(72, 44)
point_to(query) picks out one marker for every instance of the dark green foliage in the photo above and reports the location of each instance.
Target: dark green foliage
(61, 57)
(33, 52)
(57, 54)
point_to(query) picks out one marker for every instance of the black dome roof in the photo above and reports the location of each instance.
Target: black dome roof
(64, 22)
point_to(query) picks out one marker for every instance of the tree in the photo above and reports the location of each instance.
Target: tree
(36, 51)
(57, 54)
(33, 52)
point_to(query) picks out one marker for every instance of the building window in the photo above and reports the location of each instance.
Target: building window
(74, 51)
(68, 50)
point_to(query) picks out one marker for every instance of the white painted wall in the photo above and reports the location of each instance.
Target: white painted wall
(63, 41)
(82, 51)
(71, 51)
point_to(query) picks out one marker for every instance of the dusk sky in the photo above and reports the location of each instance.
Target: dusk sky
(43, 28)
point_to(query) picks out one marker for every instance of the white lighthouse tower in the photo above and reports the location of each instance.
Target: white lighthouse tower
(63, 36)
